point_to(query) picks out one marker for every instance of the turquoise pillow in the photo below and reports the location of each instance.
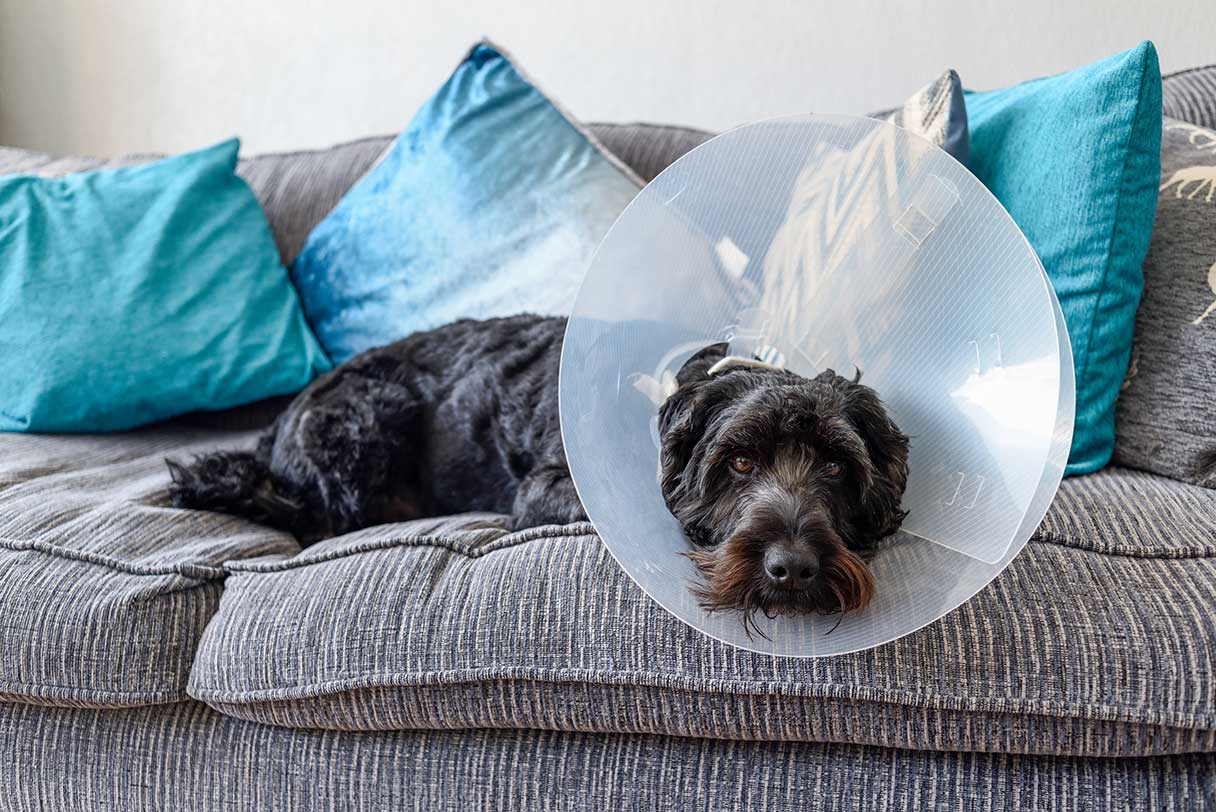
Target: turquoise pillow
(1075, 158)
(490, 203)
(130, 295)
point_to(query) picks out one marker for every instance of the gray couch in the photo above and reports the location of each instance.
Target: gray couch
(154, 658)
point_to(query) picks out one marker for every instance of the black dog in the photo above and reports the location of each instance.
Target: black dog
(779, 481)
(456, 419)
(783, 484)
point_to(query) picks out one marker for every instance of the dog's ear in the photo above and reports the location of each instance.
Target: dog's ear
(879, 513)
(693, 372)
(681, 421)
(697, 367)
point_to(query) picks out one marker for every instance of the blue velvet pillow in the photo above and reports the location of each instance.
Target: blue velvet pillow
(130, 295)
(490, 203)
(1075, 158)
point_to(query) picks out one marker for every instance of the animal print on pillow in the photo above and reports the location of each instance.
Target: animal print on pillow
(1166, 415)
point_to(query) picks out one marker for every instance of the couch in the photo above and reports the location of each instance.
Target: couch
(156, 658)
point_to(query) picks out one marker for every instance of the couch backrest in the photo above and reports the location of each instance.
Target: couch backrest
(297, 189)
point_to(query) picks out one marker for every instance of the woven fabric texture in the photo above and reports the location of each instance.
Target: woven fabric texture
(1166, 414)
(185, 757)
(414, 626)
(1190, 95)
(104, 589)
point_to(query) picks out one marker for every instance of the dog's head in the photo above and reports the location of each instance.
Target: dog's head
(783, 484)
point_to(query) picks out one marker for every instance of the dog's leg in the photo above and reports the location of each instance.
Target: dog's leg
(547, 496)
(344, 447)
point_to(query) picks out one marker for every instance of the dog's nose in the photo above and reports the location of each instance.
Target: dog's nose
(789, 567)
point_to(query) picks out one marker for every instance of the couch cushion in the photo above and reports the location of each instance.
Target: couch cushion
(1098, 640)
(187, 758)
(1166, 415)
(178, 252)
(104, 590)
(648, 149)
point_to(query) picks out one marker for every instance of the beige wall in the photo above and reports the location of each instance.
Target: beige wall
(112, 76)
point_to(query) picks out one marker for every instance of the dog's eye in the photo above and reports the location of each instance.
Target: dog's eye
(741, 463)
(833, 470)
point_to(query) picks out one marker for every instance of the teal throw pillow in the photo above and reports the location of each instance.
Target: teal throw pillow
(1075, 158)
(130, 295)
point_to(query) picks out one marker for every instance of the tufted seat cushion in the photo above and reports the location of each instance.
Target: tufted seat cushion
(105, 589)
(1098, 640)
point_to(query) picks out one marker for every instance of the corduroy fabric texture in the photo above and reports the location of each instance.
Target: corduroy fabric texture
(648, 148)
(414, 626)
(104, 589)
(105, 593)
(185, 758)
(1190, 95)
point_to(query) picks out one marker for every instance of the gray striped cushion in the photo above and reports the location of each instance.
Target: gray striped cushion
(1190, 95)
(104, 590)
(648, 149)
(186, 758)
(1166, 413)
(427, 626)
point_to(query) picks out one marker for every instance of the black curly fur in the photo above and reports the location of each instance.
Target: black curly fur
(825, 473)
(460, 418)
(465, 417)
(237, 482)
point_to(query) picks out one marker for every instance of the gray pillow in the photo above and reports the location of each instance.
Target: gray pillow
(1166, 414)
(936, 112)
(1190, 95)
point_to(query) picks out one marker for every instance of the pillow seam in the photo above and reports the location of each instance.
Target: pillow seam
(202, 573)
(619, 165)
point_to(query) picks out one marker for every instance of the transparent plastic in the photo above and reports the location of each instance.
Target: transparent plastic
(818, 242)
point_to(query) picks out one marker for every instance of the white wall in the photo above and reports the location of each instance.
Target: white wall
(112, 76)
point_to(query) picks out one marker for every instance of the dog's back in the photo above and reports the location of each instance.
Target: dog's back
(448, 420)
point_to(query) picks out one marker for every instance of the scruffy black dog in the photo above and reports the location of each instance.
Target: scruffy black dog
(460, 418)
(781, 483)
